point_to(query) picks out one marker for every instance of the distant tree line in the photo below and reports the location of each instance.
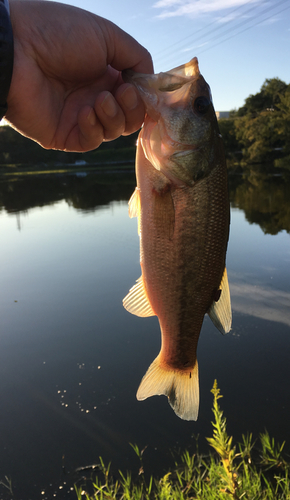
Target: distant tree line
(256, 133)
(16, 150)
(259, 131)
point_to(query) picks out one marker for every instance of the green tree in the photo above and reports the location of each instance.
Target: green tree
(227, 130)
(258, 136)
(282, 125)
(268, 98)
(261, 125)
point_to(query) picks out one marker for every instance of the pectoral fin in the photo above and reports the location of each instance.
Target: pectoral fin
(135, 206)
(220, 311)
(136, 302)
(134, 203)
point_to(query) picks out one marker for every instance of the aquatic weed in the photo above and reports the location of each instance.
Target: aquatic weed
(271, 454)
(7, 484)
(222, 443)
(232, 472)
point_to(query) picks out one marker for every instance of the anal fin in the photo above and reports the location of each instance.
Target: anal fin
(220, 312)
(136, 302)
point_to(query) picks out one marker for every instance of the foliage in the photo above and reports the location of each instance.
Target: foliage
(268, 98)
(260, 129)
(16, 149)
(282, 128)
(222, 444)
(258, 136)
(229, 474)
(227, 130)
(7, 484)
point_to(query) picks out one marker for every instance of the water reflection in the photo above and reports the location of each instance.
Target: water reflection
(83, 192)
(71, 358)
(262, 302)
(264, 198)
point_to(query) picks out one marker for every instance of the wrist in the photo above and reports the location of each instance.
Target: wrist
(6, 55)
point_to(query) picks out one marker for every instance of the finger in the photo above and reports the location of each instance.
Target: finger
(125, 52)
(110, 115)
(132, 107)
(89, 130)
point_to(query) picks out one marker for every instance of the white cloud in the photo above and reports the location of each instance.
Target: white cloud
(167, 3)
(230, 17)
(172, 8)
(195, 47)
(271, 20)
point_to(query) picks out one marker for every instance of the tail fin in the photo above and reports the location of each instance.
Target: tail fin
(181, 388)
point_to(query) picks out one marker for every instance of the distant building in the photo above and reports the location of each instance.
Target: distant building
(222, 114)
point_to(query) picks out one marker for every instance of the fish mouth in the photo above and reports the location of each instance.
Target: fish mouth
(167, 81)
(170, 85)
(167, 89)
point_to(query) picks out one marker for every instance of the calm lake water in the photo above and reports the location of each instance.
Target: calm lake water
(71, 358)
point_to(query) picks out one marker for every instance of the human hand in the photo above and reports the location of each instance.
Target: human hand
(67, 92)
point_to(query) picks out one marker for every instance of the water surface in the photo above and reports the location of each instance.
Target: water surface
(71, 358)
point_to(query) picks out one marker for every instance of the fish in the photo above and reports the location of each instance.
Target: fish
(182, 205)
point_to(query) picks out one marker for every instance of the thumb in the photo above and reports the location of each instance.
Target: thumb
(125, 52)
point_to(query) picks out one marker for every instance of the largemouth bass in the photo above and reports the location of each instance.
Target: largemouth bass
(181, 201)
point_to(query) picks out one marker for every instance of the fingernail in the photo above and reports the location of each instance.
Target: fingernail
(109, 106)
(129, 98)
(92, 117)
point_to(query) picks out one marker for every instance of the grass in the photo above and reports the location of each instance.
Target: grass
(244, 471)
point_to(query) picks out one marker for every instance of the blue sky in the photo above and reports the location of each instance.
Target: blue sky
(239, 43)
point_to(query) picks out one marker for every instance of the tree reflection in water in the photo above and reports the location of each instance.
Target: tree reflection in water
(264, 197)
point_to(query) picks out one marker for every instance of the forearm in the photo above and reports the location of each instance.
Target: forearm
(6, 55)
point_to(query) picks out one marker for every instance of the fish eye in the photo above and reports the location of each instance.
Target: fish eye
(201, 105)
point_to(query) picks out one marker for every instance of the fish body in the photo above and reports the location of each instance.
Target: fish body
(182, 205)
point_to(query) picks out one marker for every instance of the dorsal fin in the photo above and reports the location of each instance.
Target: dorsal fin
(136, 302)
(220, 312)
